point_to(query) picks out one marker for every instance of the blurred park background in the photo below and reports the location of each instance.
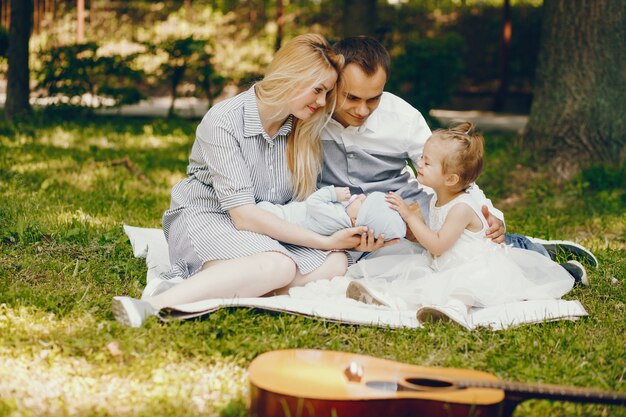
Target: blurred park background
(485, 55)
(466, 54)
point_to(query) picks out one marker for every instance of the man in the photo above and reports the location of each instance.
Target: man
(371, 135)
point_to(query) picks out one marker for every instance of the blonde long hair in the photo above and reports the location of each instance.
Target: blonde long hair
(300, 63)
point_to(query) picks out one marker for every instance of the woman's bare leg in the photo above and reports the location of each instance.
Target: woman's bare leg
(336, 263)
(251, 276)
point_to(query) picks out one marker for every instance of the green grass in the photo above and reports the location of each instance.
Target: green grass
(63, 255)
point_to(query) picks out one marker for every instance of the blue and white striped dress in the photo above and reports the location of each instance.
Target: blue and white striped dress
(233, 162)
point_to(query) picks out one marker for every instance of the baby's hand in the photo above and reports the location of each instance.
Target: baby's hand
(398, 204)
(342, 193)
(415, 208)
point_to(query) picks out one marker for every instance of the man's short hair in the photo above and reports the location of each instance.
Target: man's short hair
(364, 51)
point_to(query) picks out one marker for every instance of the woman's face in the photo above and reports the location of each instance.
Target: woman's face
(309, 99)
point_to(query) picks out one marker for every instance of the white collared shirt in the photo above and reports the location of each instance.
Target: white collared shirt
(372, 157)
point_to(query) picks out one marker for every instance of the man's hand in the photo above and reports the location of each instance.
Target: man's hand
(342, 193)
(496, 227)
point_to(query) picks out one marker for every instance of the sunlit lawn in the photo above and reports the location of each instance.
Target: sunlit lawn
(65, 193)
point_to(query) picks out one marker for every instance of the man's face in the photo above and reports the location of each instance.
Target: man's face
(358, 95)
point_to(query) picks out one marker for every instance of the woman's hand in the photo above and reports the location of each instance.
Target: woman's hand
(357, 239)
(346, 238)
(369, 244)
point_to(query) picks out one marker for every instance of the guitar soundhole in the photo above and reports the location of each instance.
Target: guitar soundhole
(429, 383)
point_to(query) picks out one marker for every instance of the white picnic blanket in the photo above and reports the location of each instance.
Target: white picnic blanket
(326, 299)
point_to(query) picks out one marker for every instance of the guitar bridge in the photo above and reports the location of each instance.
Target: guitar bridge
(354, 372)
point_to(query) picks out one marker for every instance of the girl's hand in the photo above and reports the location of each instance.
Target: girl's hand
(349, 238)
(398, 204)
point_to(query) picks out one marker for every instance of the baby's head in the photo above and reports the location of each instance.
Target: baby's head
(464, 153)
(375, 213)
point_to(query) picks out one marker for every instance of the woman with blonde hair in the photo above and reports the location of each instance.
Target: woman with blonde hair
(262, 145)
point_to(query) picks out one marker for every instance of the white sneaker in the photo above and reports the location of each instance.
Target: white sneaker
(359, 292)
(157, 286)
(132, 312)
(455, 311)
(570, 249)
(577, 271)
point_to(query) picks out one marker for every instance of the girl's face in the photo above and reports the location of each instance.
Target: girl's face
(310, 100)
(429, 167)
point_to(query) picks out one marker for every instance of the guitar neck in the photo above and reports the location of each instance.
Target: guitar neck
(551, 392)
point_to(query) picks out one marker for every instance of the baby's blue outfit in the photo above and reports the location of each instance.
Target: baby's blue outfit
(320, 212)
(323, 214)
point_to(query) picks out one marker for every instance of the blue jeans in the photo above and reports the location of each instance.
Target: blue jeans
(522, 242)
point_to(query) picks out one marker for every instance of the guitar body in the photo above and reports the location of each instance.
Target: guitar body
(316, 383)
(269, 404)
(321, 383)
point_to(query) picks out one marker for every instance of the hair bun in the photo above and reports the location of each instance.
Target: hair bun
(465, 127)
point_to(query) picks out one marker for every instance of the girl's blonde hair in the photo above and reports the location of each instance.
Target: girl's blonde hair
(301, 63)
(465, 157)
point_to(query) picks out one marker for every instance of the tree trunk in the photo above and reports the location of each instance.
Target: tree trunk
(505, 42)
(18, 88)
(6, 13)
(578, 115)
(280, 22)
(80, 21)
(177, 77)
(36, 17)
(359, 17)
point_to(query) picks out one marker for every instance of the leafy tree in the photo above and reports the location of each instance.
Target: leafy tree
(428, 71)
(359, 17)
(181, 54)
(76, 71)
(18, 88)
(578, 115)
(208, 80)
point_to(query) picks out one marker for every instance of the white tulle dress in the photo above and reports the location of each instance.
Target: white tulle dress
(475, 271)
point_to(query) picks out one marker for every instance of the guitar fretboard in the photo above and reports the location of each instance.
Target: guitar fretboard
(545, 391)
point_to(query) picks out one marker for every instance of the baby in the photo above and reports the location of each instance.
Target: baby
(330, 209)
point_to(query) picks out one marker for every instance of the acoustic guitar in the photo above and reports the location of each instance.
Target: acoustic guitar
(320, 383)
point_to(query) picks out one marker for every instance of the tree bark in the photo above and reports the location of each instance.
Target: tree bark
(36, 17)
(18, 74)
(505, 42)
(359, 17)
(6, 13)
(578, 115)
(280, 22)
(80, 21)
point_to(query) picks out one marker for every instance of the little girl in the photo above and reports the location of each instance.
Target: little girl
(462, 269)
